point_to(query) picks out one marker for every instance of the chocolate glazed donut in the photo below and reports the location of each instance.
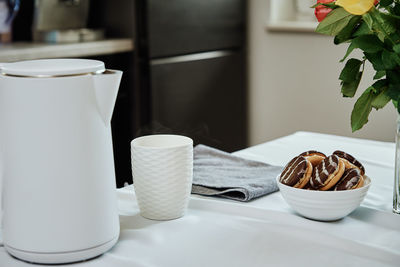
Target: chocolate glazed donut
(313, 156)
(297, 172)
(350, 161)
(351, 179)
(327, 173)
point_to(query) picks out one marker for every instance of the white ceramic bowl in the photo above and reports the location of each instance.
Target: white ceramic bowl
(324, 205)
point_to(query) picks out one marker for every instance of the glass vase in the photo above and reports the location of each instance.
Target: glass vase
(396, 188)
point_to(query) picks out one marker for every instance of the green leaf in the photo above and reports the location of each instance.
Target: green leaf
(396, 58)
(379, 85)
(350, 70)
(394, 93)
(396, 48)
(361, 110)
(368, 20)
(393, 78)
(396, 10)
(346, 34)
(351, 77)
(394, 103)
(383, 24)
(389, 59)
(349, 89)
(380, 100)
(348, 52)
(330, 5)
(379, 74)
(334, 22)
(381, 36)
(376, 60)
(394, 39)
(391, 19)
(363, 29)
(384, 3)
(368, 43)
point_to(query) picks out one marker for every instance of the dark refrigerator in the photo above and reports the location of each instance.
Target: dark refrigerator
(191, 71)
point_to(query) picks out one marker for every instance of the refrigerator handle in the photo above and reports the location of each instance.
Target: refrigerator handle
(192, 57)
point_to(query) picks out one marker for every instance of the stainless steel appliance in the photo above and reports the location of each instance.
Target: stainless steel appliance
(59, 20)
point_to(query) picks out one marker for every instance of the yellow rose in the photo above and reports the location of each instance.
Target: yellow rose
(356, 7)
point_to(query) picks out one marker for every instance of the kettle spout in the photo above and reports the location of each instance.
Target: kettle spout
(106, 87)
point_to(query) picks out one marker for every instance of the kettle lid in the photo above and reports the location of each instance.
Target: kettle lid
(52, 67)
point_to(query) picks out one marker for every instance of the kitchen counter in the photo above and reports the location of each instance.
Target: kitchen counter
(28, 51)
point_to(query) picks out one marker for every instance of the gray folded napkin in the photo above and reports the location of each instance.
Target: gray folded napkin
(217, 173)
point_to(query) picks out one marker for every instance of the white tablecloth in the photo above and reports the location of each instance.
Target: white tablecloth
(266, 231)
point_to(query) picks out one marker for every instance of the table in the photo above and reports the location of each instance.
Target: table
(266, 231)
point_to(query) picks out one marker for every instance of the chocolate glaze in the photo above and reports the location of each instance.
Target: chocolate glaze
(350, 159)
(312, 152)
(294, 171)
(308, 186)
(350, 179)
(323, 170)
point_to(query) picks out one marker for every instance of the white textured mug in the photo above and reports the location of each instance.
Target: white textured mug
(162, 170)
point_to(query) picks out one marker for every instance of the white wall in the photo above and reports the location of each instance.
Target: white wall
(293, 85)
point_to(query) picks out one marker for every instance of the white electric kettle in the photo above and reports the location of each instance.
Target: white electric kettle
(56, 159)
